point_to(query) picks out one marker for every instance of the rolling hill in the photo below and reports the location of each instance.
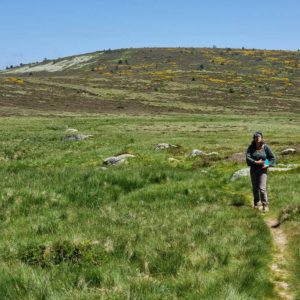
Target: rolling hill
(157, 80)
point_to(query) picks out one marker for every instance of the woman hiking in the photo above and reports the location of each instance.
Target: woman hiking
(259, 157)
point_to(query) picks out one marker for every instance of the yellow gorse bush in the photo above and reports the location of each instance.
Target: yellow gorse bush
(221, 60)
(267, 71)
(215, 80)
(14, 80)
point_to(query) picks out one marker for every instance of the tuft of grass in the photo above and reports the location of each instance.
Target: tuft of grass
(289, 213)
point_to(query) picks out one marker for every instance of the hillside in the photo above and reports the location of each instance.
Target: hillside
(157, 80)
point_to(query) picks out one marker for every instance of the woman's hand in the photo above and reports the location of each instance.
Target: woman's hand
(259, 162)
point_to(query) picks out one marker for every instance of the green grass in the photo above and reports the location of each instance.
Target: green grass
(149, 229)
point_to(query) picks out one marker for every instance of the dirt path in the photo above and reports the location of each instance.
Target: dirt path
(279, 268)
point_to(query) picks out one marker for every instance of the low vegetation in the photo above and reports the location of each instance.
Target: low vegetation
(157, 80)
(162, 225)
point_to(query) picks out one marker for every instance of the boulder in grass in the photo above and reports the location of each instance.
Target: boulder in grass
(280, 168)
(240, 173)
(163, 146)
(76, 137)
(113, 160)
(196, 152)
(126, 155)
(288, 151)
(283, 168)
(117, 160)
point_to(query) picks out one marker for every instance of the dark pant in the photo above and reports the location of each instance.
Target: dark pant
(259, 186)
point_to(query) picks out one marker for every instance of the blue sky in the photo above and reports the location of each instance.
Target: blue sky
(32, 30)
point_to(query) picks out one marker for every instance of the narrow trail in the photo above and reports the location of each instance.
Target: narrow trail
(279, 269)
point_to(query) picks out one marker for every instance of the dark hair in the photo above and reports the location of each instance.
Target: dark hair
(257, 133)
(261, 143)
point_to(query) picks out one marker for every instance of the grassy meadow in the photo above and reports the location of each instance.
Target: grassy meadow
(161, 226)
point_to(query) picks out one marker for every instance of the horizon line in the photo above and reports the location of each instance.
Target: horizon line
(150, 47)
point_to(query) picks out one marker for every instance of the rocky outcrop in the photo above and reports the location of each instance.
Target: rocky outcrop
(163, 146)
(76, 137)
(240, 173)
(196, 152)
(288, 151)
(280, 168)
(117, 160)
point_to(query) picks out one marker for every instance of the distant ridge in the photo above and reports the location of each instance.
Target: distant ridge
(153, 80)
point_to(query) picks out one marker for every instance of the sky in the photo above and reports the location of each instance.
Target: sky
(31, 30)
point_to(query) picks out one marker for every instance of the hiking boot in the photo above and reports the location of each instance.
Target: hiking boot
(255, 206)
(265, 208)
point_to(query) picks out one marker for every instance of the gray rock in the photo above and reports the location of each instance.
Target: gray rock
(284, 169)
(163, 146)
(125, 155)
(76, 137)
(246, 171)
(113, 160)
(196, 152)
(288, 151)
(117, 160)
(240, 173)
